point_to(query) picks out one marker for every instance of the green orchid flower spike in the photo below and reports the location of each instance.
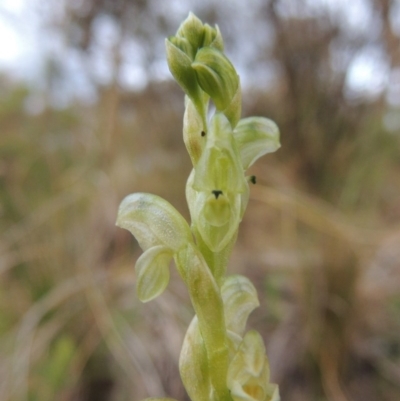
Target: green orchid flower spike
(219, 360)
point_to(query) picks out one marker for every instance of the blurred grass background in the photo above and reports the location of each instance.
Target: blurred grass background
(320, 239)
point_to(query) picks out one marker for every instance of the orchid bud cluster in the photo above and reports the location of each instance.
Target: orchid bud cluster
(219, 360)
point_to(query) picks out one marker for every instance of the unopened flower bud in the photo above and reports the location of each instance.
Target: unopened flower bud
(216, 76)
(180, 65)
(192, 29)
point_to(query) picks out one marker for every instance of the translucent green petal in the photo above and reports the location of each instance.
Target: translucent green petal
(240, 299)
(153, 221)
(193, 364)
(216, 76)
(255, 137)
(152, 272)
(219, 167)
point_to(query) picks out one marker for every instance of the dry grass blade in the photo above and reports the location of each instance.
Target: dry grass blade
(316, 214)
(29, 324)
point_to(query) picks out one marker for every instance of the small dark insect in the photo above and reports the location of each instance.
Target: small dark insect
(253, 179)
(203, 133)
(216, 193)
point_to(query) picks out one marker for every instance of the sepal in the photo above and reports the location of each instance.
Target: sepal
(153, 221)
(255, 137)
(152, 272)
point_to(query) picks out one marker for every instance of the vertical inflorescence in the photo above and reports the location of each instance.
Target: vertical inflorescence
(219, 360)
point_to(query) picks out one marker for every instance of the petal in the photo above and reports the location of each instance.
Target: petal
(240, 299)
(255, 137)
(152, 272)
(220, 167)
(153, 221)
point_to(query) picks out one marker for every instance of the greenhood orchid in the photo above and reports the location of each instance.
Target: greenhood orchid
(219, 360)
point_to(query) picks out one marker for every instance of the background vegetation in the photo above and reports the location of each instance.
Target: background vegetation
(320, 240)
